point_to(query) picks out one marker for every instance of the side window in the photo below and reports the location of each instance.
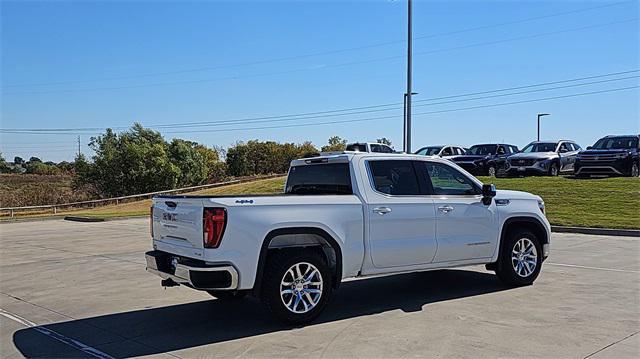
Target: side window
(394, 177)
(446, 180)
(576, 147)
(459, 151)
(385, 149)
(501, 150)
(514, 149)
(375, 148)
(447, 151)
(563, 147)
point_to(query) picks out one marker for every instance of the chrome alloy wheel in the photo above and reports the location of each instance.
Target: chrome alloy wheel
(301, 287)
(524, 257)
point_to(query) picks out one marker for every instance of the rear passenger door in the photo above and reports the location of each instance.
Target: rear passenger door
(401, 218)
(466, 228)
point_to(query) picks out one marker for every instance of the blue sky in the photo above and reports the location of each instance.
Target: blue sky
(108, 64)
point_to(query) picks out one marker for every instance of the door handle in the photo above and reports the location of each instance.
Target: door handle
(445, 209)
(382, 210)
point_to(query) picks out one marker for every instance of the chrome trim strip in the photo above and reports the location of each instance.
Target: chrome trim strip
(599, 167)
(182, 273)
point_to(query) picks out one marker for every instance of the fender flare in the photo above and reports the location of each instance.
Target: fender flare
(264, 249)
(526, 219)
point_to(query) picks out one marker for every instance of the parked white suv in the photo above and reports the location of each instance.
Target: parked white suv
(342, 216)
(447, 151)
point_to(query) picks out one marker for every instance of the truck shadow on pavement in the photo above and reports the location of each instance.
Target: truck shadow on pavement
(165, 329)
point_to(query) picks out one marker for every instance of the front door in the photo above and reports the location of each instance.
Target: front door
(402, 228)
(466, 228)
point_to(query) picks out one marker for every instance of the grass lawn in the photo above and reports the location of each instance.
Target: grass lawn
(602, 202)
(606, 203)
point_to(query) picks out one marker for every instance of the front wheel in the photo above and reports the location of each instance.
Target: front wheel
(521, 259)
(635, 170)
(554, 170)
(297, 285)
(492, 171)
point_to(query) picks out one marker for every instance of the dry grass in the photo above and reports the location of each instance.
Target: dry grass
(18, 190)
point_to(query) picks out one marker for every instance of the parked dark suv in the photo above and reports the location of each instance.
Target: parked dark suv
(611, 155)
(485, 159)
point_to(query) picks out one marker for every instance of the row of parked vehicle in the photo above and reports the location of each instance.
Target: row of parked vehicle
(610, 155)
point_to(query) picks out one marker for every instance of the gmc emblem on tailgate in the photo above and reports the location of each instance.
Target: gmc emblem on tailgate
(169, 216)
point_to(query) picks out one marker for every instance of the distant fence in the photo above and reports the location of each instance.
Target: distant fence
(54, 208)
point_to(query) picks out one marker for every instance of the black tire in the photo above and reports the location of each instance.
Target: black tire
(506, 268)
(278, 264)
(635, 169)
(554, 169)
(228, 294)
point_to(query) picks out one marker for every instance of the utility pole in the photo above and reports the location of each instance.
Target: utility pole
(540, 115)
(78, 145)
(408, 93)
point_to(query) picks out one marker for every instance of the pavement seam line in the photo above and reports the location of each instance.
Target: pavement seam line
(612, 344)
(57, 336)
(92, 326)
(594, 268)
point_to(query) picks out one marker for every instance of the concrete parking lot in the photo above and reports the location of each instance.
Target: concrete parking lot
(80, 290)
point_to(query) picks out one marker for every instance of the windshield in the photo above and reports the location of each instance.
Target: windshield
(333, 178)
(616, 142)
(482, 150)
(429, 151)
(540, 147)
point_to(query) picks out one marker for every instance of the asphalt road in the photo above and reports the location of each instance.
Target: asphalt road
(80, 290)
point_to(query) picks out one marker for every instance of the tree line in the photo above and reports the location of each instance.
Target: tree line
(140, 160)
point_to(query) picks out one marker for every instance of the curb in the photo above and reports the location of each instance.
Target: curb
(597, 231)
(83, 219)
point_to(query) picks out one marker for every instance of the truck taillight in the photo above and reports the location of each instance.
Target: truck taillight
(151, 221)
(214, 221)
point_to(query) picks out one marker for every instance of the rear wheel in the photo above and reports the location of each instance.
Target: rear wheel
(635, 170)
(521, 258)
(297, 285)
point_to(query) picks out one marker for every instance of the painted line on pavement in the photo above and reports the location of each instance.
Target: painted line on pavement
(57, 336)
(594, 268)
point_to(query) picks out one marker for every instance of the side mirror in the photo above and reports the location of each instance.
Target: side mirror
(563, 150)
(488, 192)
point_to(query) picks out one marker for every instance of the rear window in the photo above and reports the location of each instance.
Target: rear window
(394, 177)
(332, 178)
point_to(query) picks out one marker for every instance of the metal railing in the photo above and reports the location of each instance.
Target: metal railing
(54, 208)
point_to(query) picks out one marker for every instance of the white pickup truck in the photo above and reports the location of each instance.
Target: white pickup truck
(342, 216)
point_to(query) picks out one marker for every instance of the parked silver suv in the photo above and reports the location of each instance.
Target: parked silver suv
(544, 158)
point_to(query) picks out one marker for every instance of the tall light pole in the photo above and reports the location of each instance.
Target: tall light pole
(404, 113)
(408, 93)
(540, 115)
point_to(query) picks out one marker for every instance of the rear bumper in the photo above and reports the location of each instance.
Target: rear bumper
(192, 273)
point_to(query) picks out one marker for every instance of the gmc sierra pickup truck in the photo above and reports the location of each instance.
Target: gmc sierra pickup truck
(341, 216)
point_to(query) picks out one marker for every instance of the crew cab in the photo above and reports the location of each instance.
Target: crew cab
(485, 159)
(610, 155)
(342, 216)
(544, 158)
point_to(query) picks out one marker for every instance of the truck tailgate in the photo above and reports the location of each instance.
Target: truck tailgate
(178, 222)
